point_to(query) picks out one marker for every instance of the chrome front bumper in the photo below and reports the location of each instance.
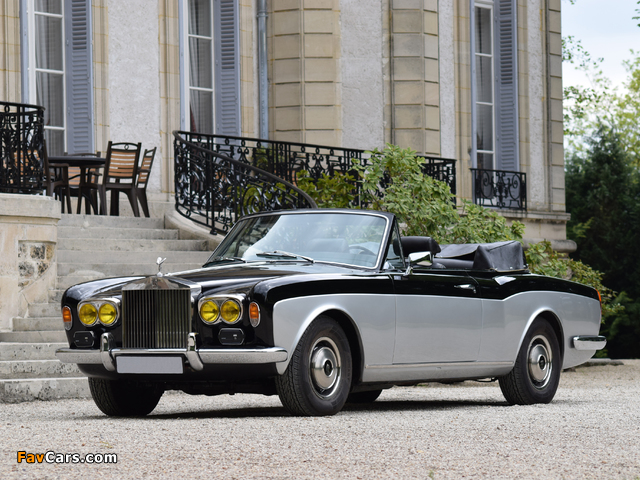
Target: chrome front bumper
(197, 358)
(589, 342)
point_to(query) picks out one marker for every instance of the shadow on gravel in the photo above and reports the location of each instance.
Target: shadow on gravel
(273, 412)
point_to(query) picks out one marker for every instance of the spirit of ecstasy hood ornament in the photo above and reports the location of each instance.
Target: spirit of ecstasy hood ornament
(159, 262)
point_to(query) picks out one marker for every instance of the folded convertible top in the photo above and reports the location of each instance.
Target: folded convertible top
(499, 256)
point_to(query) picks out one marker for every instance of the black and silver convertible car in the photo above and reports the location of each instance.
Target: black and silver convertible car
(324, 307)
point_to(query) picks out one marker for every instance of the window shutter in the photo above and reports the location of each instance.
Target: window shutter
(79, 83)
(227, 57)
(506, 80)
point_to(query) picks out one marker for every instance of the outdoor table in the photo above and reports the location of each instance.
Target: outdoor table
(85, 163)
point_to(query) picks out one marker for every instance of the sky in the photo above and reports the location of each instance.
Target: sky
(607, 30)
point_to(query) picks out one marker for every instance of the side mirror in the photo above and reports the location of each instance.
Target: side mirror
(423, 259)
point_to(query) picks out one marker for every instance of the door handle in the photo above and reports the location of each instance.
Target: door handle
(466, 286)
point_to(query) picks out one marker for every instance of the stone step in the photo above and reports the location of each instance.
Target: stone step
(29, 351)
(44, 310)
(66, 281)
(66, 257)
(39, 336)
(38, 369)
(27, 390)
(123, 270)
(137, 245)
(55, 295)
(37, 323)
(116, 233)
(87, 221)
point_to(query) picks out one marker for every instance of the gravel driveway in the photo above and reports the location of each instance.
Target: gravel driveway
(591, 430)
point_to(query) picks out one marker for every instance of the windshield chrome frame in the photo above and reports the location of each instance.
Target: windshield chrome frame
(384, 242)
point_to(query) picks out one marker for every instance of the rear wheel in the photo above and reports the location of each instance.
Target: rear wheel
(536, 373)
(318, 378)
(123, 398)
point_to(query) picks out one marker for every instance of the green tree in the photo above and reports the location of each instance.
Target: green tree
(603, 197)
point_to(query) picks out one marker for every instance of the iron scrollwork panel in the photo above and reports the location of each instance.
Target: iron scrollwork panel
(21, 146)
(500, 188)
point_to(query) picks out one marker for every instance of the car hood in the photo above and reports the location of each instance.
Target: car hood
(227, 277)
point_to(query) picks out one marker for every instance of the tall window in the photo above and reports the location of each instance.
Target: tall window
(47, 80)
(200, 36)
(57, 65)
(485, 125)
(210, 70)
(495, 87)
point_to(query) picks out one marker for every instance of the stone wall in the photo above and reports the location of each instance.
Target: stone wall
(28, 238)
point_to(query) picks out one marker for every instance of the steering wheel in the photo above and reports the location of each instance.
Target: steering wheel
(363, 250)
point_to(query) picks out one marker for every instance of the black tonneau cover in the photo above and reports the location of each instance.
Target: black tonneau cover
(499, 256)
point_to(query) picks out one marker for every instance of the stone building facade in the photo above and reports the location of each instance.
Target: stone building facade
(478, 81)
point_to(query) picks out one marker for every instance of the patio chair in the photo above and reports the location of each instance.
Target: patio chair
(120, 175)
(143, 177)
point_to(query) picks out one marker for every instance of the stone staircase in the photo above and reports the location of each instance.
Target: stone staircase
(89, 247)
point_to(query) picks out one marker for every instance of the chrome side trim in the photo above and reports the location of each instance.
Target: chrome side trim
(441, 365)
(589, 342)
(107, 354)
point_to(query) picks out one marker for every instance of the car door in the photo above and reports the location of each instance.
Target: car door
(438, 317)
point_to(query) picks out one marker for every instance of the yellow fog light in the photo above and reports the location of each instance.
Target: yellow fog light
(107, 314)
(209, 311)
(88, 314)
(230, 311)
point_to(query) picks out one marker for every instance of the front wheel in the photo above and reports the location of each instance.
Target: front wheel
(318, 378)
(123, 398)
(536, 373)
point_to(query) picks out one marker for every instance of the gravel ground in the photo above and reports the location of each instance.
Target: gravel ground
(590, 430)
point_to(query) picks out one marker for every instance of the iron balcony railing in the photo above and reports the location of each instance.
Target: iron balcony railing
(499, 188)
(282, 160)
(21, 144)
(214, 190)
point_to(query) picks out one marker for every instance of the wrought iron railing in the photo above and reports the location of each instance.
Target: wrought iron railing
(281, 160)
(499, 188)
(21, 143)
(214, 190)
(286, 159)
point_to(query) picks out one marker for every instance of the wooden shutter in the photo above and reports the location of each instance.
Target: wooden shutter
(227, 68)
(506, 85)
(79, 78)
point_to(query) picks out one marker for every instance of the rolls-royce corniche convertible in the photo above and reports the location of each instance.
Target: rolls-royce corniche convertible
(324, 307)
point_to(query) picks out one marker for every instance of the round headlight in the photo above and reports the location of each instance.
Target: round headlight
(230, 311)
(209, 311)
(107, 314)
(88, 314)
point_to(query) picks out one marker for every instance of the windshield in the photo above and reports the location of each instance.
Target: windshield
(351, 239)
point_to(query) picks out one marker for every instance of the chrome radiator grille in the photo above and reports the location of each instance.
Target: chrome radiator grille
(156, 318)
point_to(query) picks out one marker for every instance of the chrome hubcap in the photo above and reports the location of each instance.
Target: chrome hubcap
(324, 366)
(540, 362)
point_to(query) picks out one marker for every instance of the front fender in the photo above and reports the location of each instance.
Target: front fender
(372, 315)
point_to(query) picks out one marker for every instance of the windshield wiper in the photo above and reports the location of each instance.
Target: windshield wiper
(226, 259)
(281, 254)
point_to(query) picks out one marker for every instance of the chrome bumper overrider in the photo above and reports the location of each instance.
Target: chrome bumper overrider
(197, 358)
(589, 342)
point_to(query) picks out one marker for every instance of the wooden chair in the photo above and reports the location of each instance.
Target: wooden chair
(120, 175)
(143, 177)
